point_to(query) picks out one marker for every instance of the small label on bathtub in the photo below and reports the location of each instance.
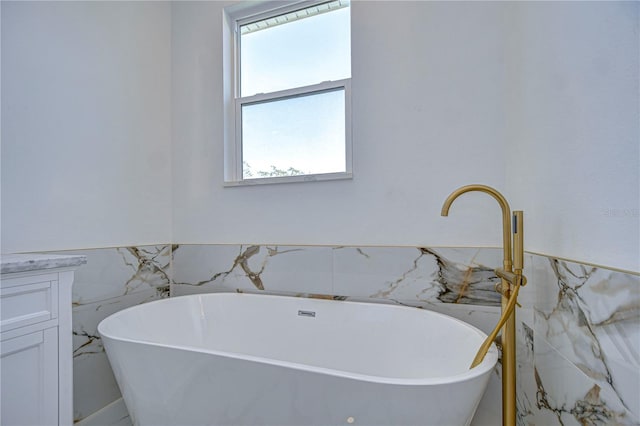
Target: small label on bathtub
(311, 314)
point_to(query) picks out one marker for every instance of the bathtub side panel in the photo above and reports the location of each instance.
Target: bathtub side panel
(163, 386)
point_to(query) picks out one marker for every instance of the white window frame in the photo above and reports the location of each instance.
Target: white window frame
(234, 18)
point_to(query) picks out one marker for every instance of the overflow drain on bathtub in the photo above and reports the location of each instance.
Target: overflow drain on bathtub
(310, 314)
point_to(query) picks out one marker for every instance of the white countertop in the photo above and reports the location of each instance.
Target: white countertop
(32, 262)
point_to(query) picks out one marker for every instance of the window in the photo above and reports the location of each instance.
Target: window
(290, 94)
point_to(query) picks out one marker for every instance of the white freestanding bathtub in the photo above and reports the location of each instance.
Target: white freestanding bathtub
(246, 359)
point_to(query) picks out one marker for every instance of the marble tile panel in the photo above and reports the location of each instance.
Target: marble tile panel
(397, 273)
(466, 276)
(526, 407)
(591, 316)
(584, 368)
(113, 272)
(92, 375)
(415, 275)
(274, 269)
(566, 396)
(112, 279)
(204, 268)
(298, 269)
(485, 257)
(94, 384)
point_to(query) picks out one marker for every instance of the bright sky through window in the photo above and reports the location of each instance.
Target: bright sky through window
(300, 53)
(303, 134)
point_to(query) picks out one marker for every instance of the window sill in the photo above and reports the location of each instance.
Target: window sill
(289, 179)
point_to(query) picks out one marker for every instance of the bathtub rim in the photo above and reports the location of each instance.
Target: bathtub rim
(489, 362)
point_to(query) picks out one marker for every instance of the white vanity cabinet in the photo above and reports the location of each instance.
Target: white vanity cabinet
(36, 339)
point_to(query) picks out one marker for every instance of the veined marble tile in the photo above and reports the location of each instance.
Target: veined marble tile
(407, 275)
(94, 384)
(415, 275)
(298, 269)
(112, 279)
(592, 317)
(87, 317)
(278, 269)
(566, 396)
(114, 272)
(397, 273)
(526, 405)
(490, 259)
(486, 257)
(583, 369)
(203, 268)
(466, 281)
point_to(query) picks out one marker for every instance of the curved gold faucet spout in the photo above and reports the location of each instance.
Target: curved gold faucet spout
(475, 187)
(506, 215)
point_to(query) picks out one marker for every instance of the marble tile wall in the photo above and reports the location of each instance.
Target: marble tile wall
(457, 282)
(579, 326)
(112, 279)
(580, 358)
(414, 276)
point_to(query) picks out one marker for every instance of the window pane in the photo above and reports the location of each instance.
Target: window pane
(294, 136)
(295, 54)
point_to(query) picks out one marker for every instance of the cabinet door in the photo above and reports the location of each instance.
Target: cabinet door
(29, 377)
(28, 300)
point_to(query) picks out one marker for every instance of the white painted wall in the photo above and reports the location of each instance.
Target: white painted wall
(428, 116)
(86, 124)
(575, 139)
(443, 95)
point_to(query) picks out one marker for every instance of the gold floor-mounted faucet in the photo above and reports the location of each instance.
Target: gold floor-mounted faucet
(511, 279)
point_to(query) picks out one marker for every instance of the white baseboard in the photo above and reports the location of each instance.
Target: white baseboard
(114, 414)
